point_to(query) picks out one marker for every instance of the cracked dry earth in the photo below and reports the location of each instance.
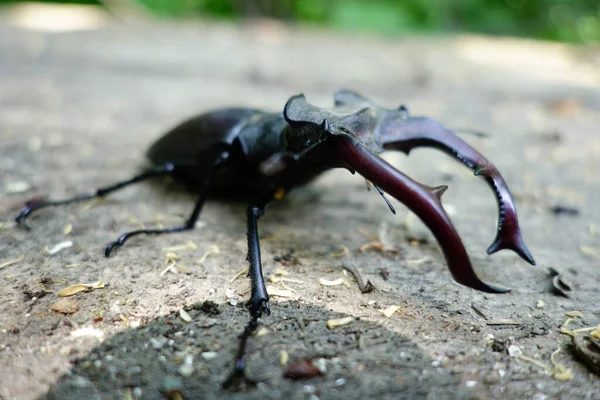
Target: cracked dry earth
(77, 111)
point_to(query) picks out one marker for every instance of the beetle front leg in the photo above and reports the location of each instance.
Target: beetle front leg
(405, 133)
(259, 298)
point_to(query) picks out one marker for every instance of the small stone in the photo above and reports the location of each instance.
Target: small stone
(514, 351)
(209, 355)
(171, 384)
(158, 343)
(186, 370)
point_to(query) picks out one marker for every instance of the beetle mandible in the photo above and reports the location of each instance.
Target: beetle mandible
(261, 156)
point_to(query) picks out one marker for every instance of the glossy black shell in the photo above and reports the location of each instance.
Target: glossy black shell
(250, 137)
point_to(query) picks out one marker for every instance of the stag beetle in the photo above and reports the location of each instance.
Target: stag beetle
(261, 156)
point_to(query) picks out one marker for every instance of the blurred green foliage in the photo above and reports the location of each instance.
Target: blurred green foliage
(560, 20)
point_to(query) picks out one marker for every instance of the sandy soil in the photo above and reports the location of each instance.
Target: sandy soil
(78, 109)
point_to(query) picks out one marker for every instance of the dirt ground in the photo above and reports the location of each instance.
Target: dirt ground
(77, 111)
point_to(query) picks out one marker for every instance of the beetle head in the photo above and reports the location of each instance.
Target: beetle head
(310, 126)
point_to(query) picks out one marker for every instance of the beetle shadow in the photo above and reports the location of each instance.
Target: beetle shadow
(362, 360)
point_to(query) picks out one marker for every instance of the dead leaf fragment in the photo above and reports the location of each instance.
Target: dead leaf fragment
(80, 287)
(58, 247)
(212, 250)
(284, 357)
(11, 262)
(301, 369)
(588, 349)
(326, 282)
(273, 291)
(574, 314)
(590, 251)
(388, 312)
(65, 306)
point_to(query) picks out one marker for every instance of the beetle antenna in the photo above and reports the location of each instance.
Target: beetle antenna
(392, 209)
(472, 132)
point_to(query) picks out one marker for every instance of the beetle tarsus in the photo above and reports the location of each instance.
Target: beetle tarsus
(237, 378)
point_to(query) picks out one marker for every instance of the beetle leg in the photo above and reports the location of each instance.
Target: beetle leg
(150, 173)
(259, 298)
(422, 200)
(407, 133)
(189, 224)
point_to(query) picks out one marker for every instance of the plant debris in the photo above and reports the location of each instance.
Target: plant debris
(376, 245)
(287, 258)
(564, 210)
(388, 312)
(80, 287)
(558, 371)
(335, 323)
(67, 229)
(384, 273)
(189, 245)
(243, 271)
(363, 287)
(212, 250)
(590, 251)
(559, 284)
(65, 306)
(572, 316)
(58, 247)
(301, 369)
(502, 322)
(588, 349)
(284, 357)
(13, 261)
(273, 291)
(327, 282)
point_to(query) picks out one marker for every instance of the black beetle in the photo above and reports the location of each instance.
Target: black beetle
(261, 156)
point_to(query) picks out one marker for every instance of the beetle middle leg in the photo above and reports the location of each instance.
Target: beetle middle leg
(189, 224)
(154, 172)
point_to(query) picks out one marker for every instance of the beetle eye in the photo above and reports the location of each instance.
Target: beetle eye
(307, 143)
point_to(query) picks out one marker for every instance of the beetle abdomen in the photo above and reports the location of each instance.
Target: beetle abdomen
(188, 143)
